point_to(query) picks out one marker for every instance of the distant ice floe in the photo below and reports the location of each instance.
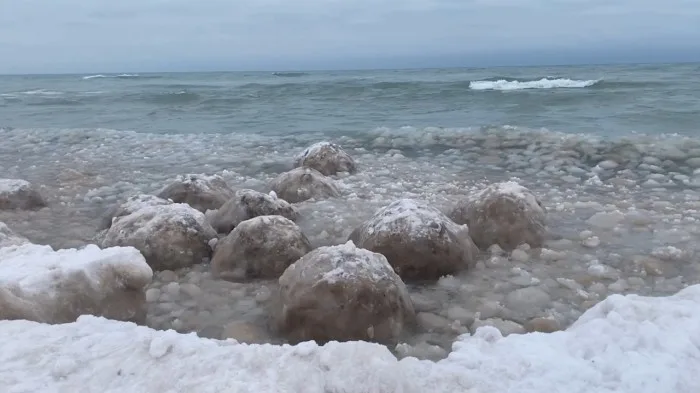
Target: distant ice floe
(543, 83)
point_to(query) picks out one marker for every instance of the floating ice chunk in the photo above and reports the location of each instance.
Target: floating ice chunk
(670, 253)
(519, 256)
(608, 164)
(606, 220)
(602, 271)
(591, 242)
(19, 194)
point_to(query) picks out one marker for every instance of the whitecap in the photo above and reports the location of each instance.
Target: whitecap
(100, 76)
(41, 92)
(543, 83)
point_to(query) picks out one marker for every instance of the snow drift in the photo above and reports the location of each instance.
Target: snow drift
(40, 284)
(624, 344)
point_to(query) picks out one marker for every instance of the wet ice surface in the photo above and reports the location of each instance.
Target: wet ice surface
(623, 216)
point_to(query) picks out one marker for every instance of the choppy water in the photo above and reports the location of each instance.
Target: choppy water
(607, 100)
(628, 226)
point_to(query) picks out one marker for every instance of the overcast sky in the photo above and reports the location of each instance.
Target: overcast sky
(152, 35)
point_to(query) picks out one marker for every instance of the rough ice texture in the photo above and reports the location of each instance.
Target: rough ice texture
(10, 238)
(327, 158)
(17, 194)
(131, 205)
(506, 214)
(418, 240)
(246, 205)
(629, 344)
(262, 247)
(301, 184)
(40, 284)
(169, 236)
(199, 191)
(343, 293)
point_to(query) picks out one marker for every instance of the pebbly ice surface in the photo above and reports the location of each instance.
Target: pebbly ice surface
(622, 216)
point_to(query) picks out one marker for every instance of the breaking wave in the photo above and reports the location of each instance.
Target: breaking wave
(544, 83)
(120, 76)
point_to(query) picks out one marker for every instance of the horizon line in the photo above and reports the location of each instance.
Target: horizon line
(311, 70)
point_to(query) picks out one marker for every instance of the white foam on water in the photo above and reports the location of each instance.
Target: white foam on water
(42, 92)
(543, 83)
(100, 76)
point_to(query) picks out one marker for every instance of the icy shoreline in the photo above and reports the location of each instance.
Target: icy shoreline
(625, 344)
(624, 219)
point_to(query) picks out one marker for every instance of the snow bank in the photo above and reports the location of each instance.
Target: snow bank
(41, 284)
(9, 238)
(624, 344)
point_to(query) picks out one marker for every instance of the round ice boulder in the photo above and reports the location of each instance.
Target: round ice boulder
(246, 205)
(131, 205)
(17, 194)
(199, 191)
(262, 247)
(343, 293)
(169, 236)
(506, 214)
(418, 240)
(327, 158)
(301, 184)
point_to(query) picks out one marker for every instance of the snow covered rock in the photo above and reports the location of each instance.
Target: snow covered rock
(131, 205)
(301, 184)
(169, 236)
(246, 205)
(418, 240)
(9, 238)
(506, 214)
(262, 247)
(43, 285)
(343, 293)
(199, 191)
(17, 194)
(327, 158)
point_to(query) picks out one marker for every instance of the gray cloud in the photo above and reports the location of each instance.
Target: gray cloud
(98, 35)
